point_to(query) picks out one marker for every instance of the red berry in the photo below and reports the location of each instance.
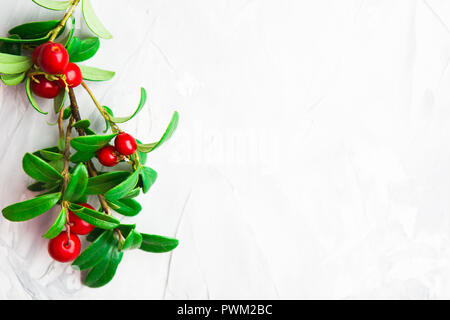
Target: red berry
(44, 88)
(73, 76)
(107, 156)
(37, 52)
(125, 144)
(53, 58)
(79, 226)
(62, 250)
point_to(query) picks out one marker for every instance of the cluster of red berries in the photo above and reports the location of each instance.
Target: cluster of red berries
(53, 59)
(65, 249)
(124, 145)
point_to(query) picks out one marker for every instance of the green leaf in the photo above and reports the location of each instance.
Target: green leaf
(38, 169)
(12, 64)
(148, 176)
(139, 108)
(104, 182)
(146, 148)
(83, 124)
(89, 132)
(105, 270)
(157, 244)
(93, 254)
(58, 165)
(142, 156)
(110, 112)
(37, 186)
(12, 79)
(35, 31)
(31, 98)
(97, 219)
(124, 187)
(58, 101)
(67, 113)
(61, 144)
(94, 234)
(82, 156)
(12, 47)
(49, 155)
(93, 22)
(91, 143)
(32, 208)
(96, 74)
(77, 183)
(132, 194)
(73, 46)
(57, 226)
(132, 241)
(86, 50)
(53, 4)
(126, 207)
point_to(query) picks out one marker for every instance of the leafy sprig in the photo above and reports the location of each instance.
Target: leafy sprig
(64, 175)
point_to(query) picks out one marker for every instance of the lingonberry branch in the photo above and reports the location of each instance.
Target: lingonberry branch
(48, 73)
(90, 166)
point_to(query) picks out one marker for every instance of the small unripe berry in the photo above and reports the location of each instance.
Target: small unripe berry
(125, 144)
(107, 156)
(53, 58)
(62, 249)
(73, 76)
(44, 88)
(79, 226)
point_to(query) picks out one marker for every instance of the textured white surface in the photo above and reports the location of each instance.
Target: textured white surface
(312, 158)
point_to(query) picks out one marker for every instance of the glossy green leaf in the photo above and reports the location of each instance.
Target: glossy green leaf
(139, 108)
(53, 4)
(91, 143)
(104, 182)
(93, 22)
(73, 46)
(146, 148)
(13, 79)
(89, 132)
(132, 194)
(31, 97)
(61, 144)
(83, 124)
(59, 100)
(157, 244)
(96, 74)
(77, 183)
(97, 219)
(87, 49)
(95, 252)
(49, 155)
(32, 208)
(12, 64)
(126, 207)
(57, 226)
(110, 112)
(148, 176)
(67, 113)
(94, 234)
(37, 186)
(105, 270)
(82, 156)
(132, 241)
(11, 47)
(38, 169)
(58, 164)
(36, 31)
(123, 188)
(142, 156)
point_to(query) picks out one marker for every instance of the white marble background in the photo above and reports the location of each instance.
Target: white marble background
(312, 158)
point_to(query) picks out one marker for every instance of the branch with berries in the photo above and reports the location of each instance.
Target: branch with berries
(43, 55)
